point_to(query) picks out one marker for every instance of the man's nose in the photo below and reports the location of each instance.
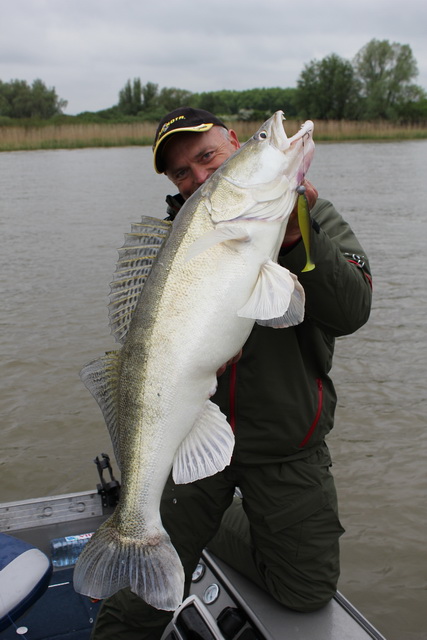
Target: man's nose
(200, 174)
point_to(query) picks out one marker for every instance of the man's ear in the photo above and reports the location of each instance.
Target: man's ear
(234, 139)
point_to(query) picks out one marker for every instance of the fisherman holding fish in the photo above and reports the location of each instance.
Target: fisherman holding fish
(310, 284)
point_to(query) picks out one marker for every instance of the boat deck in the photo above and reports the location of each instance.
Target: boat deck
(223, 603)
(60, 614)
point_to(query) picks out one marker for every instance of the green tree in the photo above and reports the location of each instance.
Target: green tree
(137, 96)
(149, 96)
(252, 103)
(45, 102)
(126, 98)
(327, 89)
(263, 102)
(171, 98)
(218, 102)
(15, 99)
(413, 105)
(130, 98)
(385, 72)
(20, 100)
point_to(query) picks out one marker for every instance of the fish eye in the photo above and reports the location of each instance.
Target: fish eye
(262, 135)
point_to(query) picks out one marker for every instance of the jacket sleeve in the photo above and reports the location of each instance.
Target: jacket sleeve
(339, 290)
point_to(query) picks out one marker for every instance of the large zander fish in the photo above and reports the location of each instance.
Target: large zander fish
(183, 302)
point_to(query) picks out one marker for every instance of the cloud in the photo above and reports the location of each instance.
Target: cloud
(88, 49)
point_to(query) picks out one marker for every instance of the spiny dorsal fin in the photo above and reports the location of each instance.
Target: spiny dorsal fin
(136, 258)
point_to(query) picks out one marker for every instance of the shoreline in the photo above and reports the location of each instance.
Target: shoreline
(86, 135)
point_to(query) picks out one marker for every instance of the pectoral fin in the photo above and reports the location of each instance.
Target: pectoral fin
(294, 313)
(207, 449)
(277, 299)
(221, 233)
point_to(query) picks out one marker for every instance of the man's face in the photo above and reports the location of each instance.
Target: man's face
(190, 158)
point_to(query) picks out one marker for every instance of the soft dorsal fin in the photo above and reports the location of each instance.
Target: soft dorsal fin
(136, 258)
(100, 377)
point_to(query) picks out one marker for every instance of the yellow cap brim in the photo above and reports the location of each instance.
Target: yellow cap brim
(200, 128)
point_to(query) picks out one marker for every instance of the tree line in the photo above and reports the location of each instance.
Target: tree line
(377, 84)
(18, 99)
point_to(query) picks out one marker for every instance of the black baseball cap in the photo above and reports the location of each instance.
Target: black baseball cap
(179, 120)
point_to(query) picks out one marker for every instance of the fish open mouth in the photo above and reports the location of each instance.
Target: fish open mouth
(281, 140)
(302, 143)
(304, 134)
(278, 133)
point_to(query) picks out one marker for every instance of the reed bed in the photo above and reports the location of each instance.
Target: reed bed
(79, 135)
(75, 136)
(344, 130)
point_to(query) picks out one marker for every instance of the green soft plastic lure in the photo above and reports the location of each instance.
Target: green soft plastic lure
(304, 222)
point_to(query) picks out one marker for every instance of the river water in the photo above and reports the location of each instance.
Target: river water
(62, 216)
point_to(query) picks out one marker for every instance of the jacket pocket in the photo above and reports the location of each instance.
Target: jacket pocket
(313, 426)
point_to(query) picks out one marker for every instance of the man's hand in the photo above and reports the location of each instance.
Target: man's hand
(293, 233)
(233, 360)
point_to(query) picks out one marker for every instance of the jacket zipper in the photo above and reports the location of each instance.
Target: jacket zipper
(318, 412)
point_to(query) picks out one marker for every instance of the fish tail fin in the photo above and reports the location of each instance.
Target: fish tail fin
(109, 562)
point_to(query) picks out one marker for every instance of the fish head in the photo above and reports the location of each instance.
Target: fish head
(260, 179)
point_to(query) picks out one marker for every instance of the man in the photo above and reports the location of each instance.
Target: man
(279, 400)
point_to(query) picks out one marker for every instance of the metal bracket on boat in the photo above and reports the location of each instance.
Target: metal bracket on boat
(108, 490)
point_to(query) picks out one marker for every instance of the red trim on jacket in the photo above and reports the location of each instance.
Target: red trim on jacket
(317, 416)
(367, 276)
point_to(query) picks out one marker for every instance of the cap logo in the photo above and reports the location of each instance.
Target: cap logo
(168, 124)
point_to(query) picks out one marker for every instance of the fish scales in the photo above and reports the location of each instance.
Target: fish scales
(212, 278)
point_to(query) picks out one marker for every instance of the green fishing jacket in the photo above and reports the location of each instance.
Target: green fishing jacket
(279, 398)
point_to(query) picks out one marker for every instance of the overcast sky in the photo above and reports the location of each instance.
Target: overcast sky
(88, 49)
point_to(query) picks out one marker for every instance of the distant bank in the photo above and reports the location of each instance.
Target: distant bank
(77, 136)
